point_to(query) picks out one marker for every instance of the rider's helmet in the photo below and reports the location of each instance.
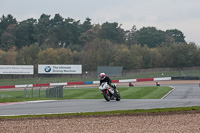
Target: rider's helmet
(102, 75)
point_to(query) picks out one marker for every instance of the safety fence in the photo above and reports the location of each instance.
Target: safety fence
(55, 92)
(44, 92)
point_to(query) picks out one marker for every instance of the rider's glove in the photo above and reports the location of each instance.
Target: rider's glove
(113, 86)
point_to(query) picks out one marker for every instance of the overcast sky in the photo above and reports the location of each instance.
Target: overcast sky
(183, 15)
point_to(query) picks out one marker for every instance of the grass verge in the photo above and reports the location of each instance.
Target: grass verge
(150, 92)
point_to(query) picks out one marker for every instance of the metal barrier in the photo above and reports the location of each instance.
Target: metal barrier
(185, 78)
(55, 92)
(25, 89)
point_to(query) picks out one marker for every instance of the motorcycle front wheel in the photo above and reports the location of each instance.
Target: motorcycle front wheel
(106, 95)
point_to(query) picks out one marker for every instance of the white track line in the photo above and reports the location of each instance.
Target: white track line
(168, 92)
(13, 103)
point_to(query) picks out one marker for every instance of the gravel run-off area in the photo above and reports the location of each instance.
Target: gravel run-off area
(176, 122)
(168, 122)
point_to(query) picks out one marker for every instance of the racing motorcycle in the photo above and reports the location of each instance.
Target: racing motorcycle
(109, 93)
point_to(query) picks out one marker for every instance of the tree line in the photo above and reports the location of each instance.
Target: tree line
(67, 41)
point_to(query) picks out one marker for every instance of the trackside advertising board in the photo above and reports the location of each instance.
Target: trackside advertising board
(59, 69)
(17, 69)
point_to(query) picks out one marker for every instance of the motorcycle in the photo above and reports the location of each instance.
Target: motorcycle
(109, 93)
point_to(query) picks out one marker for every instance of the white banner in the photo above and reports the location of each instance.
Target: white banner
(59, 69)
(16, 69)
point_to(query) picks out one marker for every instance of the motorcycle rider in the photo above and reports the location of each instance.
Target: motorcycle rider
(104, 78)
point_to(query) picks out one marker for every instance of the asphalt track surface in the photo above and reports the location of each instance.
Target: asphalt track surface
(181, 96)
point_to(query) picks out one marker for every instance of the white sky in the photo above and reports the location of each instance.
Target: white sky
(183, 15)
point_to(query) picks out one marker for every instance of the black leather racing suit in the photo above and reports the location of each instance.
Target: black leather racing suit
(106, 79)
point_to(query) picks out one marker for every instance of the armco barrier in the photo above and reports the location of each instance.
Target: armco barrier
(147, 79)
(185, 78)
(5, 87)
(115, 81)
(75, 83)
(38, 85)
(160, 79)
(87, 82)
(127, 80)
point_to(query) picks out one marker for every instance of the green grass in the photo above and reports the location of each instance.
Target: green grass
(195, 73)
(20, 93)
(144, 92)
(89, 93)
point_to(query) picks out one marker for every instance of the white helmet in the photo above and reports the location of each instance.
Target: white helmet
(102, 75)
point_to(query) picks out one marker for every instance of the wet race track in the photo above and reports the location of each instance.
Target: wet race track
(181, 96)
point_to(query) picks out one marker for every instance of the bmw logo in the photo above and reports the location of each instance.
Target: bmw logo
(47, 69)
